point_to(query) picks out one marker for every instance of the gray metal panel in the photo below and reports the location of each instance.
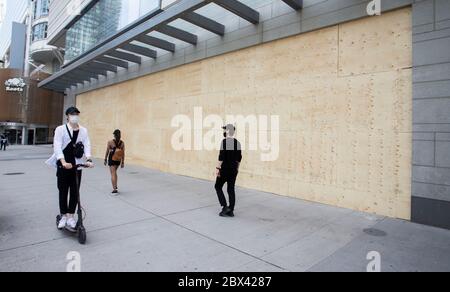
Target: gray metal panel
(431, 191)
(73, 78)
(57, 89)
(156, 42)
(113, 61)
(140, 50)
(204, 22)
(178, 34)
(103, 66)
(432, 111)
(83, 75)
(431, 174)
(431, 212)
(61, 85)
(443, 154)
(18, 44)
(69, 79)
(86, 68)
(125, 56)
(240, 9)
(431, 52)
(295, 4)
(431, 108)
(423, 152)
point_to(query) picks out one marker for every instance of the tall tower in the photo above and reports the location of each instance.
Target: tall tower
(2, 11)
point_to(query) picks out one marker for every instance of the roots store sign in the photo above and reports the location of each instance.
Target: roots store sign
(15, 85)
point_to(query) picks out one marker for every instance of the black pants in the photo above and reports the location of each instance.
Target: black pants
(67, 184)
(3, 146)
(227, 176)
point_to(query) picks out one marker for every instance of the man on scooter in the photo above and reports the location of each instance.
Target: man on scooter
(72, 147)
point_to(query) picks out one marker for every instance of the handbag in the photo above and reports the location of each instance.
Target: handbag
(78, 148)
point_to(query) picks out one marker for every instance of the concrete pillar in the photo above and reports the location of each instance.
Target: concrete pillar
(24, 135)
(28, 41)
(69, 100)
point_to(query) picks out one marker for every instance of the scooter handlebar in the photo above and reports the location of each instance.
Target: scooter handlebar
(82, 166)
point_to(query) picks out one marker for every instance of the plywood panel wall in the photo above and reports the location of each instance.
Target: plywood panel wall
(344, 99)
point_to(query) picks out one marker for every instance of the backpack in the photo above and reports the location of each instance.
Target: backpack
(118, 152)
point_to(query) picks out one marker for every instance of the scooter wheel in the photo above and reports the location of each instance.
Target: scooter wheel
(81, 235)
(58, 219)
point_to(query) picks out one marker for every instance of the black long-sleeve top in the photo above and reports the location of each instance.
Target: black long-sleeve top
(230, 153)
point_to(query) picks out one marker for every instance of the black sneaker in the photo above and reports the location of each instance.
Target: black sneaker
(230, 213)
(224, 212)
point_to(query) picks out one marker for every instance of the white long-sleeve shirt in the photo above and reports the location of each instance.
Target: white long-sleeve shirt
(62, 139)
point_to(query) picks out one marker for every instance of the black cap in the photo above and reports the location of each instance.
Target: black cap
(229, 127)
(72, 110)
(116, 132)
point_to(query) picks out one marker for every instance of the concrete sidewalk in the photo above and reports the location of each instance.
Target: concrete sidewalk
(163, 222)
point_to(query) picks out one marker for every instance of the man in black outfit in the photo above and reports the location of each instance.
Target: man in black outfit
(3, 142)
(230, 158)
(71, 147)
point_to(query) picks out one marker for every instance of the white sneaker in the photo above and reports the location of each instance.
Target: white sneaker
(62, 222)
(71, 224)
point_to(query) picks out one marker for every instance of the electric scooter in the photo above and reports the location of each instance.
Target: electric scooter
(79, 229)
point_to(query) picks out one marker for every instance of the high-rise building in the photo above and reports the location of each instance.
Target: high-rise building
(99, 23)
(25, 45)
(41, 53)
(2, 11)
(13, 32)
(361, 94)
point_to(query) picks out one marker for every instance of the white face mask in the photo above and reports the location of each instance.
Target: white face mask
(74, 120)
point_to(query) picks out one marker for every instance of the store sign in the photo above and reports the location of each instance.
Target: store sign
(15, 85)
(9, 124)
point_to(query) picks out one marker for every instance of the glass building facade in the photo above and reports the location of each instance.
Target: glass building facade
(103, 20)
(39, 31)
(40, 8)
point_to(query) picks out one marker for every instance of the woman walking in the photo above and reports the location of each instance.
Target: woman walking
(115, 157)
